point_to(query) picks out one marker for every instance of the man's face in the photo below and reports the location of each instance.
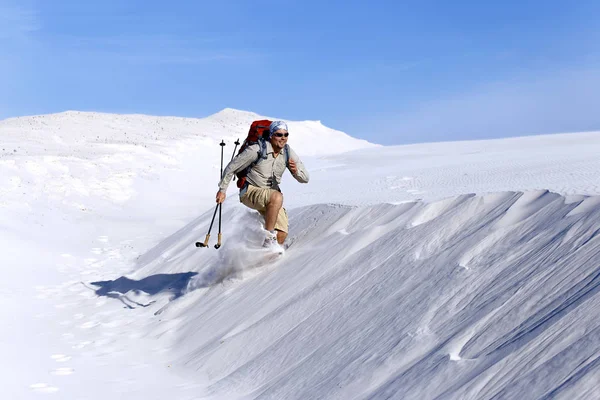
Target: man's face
(279, 138)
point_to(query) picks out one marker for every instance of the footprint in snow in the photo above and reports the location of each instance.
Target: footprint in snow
(89, 324)
(60, 358)
(81, 345)
(88, 272)
(91, 263)
(43, 388)
(75, 289)
(63, 371)
(63, 306)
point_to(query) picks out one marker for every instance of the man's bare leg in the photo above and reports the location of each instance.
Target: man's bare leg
(275, 203)
(281, 237)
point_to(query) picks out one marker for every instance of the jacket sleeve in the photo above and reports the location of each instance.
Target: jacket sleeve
(239, 163)
(302, 175)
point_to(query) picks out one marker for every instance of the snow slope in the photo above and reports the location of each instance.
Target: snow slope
(474, 297)
(463, 270)
(565, 163)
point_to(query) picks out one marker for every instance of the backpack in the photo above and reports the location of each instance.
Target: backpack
(258, 134)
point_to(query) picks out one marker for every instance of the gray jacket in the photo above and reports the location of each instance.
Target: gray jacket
(267, 173)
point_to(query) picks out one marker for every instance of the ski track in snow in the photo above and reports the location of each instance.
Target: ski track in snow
(464, 270)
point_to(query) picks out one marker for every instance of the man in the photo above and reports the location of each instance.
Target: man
(261, 191)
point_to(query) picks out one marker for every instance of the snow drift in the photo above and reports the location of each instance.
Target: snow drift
(471, 297)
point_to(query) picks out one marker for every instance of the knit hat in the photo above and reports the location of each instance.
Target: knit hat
(275, 126)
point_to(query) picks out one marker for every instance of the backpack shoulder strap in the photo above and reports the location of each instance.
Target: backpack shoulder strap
(262, 153)
(287, 155)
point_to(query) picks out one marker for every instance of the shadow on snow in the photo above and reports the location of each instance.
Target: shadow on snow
(175, 284)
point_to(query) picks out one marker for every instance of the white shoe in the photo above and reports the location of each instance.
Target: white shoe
(271, 243)
(270, 239)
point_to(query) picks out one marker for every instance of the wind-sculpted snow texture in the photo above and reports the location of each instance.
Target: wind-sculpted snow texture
(472, 297)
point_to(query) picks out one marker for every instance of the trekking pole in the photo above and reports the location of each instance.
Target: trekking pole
(205, 244)
(237, 142)
(220, 204)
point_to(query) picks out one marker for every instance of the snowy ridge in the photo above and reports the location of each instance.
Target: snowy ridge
(74, 156)
(72, 133)
(495, 291)
(566, 163)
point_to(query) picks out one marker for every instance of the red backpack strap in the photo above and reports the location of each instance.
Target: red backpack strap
(260, 155)
(258, 134)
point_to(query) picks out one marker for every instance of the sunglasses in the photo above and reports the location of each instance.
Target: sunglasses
(281, 134)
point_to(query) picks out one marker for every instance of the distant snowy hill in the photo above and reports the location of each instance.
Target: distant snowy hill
(73, 156)
(50, 134)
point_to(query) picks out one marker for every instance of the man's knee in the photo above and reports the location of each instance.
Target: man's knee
(276, 199)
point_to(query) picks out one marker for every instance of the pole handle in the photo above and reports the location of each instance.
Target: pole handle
(205, 244)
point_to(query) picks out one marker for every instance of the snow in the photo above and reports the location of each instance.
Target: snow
(458, 270)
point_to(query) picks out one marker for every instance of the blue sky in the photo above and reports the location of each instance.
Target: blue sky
(390, 72)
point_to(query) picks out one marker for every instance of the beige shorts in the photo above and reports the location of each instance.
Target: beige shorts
(257, 199)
